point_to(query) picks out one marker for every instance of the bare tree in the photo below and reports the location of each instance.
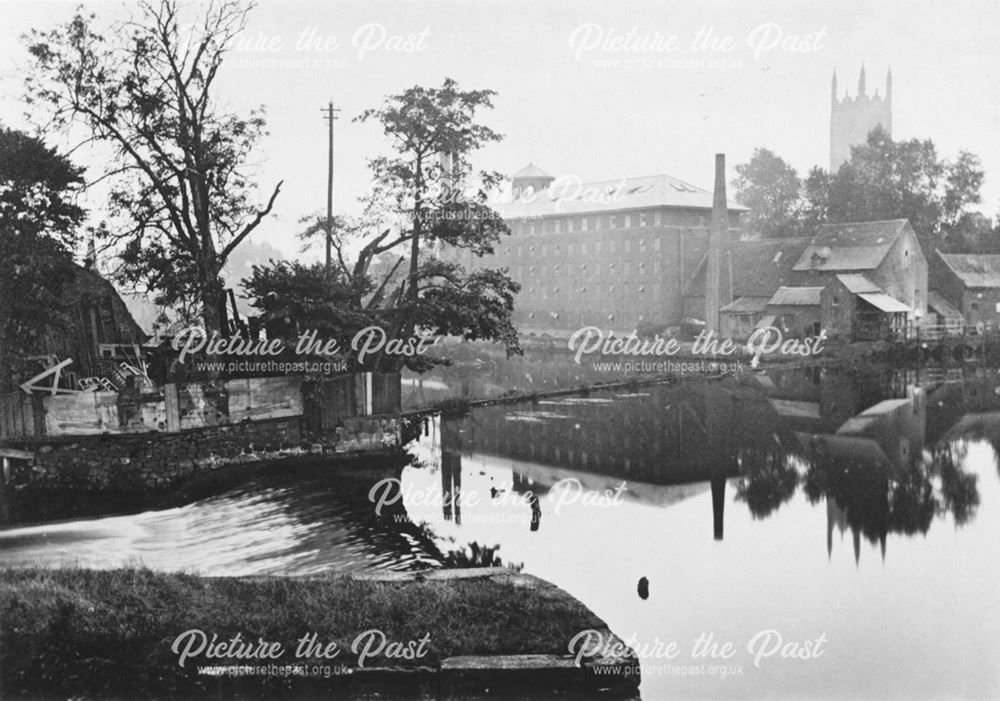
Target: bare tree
(182, 185)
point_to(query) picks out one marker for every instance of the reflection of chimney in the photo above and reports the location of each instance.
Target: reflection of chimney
(856, 533)
(717, 240)
(718, 504)
(829, 524)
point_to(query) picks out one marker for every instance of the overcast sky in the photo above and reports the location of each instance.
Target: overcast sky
(571, 102)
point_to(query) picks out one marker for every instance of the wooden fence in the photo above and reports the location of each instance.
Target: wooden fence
(18, 415)
(363, 394)
(195, 405)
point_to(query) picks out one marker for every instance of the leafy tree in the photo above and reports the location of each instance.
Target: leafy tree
(884, 179)
(433, 131)
(294, 297)
(770, 188)
(815, 200)
(397, 263)
(182, 186)
(964, 180)
(38, 227)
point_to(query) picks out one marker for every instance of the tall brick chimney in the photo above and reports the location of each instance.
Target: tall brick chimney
(718, 248)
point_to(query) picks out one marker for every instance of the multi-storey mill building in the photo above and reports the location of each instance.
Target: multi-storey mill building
(615, 254)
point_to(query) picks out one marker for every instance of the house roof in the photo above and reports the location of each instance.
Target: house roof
(884, 302)
(759, 267)
(942, 306)
(853, 450)
(530, 171)
(746, 305)
(89, 284)
(853, 246)
(856, 283)
(570, 196)
(796, 296)
(974, 270)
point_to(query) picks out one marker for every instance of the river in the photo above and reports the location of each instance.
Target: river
(836, 528)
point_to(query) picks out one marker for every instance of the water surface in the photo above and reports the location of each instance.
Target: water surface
(857, 508)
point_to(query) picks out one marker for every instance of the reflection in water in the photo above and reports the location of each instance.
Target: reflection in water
(475, 555)
(767, 480)
(886, 460)
(900, 463)
(769, 433)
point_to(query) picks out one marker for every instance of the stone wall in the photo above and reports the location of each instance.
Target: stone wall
(156, 459)
(124, 472)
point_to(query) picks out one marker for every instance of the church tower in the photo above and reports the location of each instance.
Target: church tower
(851, 119)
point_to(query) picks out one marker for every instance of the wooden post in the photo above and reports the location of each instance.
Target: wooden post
(38, 415)
(363, 394)
(4, 507)
(173, 409)
(331, 115)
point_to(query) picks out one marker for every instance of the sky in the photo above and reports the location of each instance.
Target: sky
(594, 89)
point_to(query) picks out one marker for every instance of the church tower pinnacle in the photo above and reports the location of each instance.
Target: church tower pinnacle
(852, 119)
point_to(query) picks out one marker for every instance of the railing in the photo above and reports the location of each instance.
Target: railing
(954, 330)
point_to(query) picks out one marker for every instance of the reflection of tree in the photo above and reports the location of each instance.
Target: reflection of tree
(912, 504)
(857, 488)
(476, 555)
(767, 480)
(996, 451)
(959, 492)
(908, 505)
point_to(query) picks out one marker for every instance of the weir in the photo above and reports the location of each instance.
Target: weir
(126, 449)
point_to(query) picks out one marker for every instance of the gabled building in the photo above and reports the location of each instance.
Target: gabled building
(93, 327)
(857, 281)
(757, 270)
(886, 252)
(971, 284)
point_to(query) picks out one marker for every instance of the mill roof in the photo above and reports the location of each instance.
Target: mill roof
(759, 267)
(974, 270)
(796, 296)
(852, 246)
(569, 196)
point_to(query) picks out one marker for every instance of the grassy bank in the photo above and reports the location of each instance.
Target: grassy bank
(108, 634)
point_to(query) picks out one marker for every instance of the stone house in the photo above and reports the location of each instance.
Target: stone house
(859, 281)
(971, 284)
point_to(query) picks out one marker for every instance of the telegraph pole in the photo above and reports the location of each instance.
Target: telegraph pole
(330, 116)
